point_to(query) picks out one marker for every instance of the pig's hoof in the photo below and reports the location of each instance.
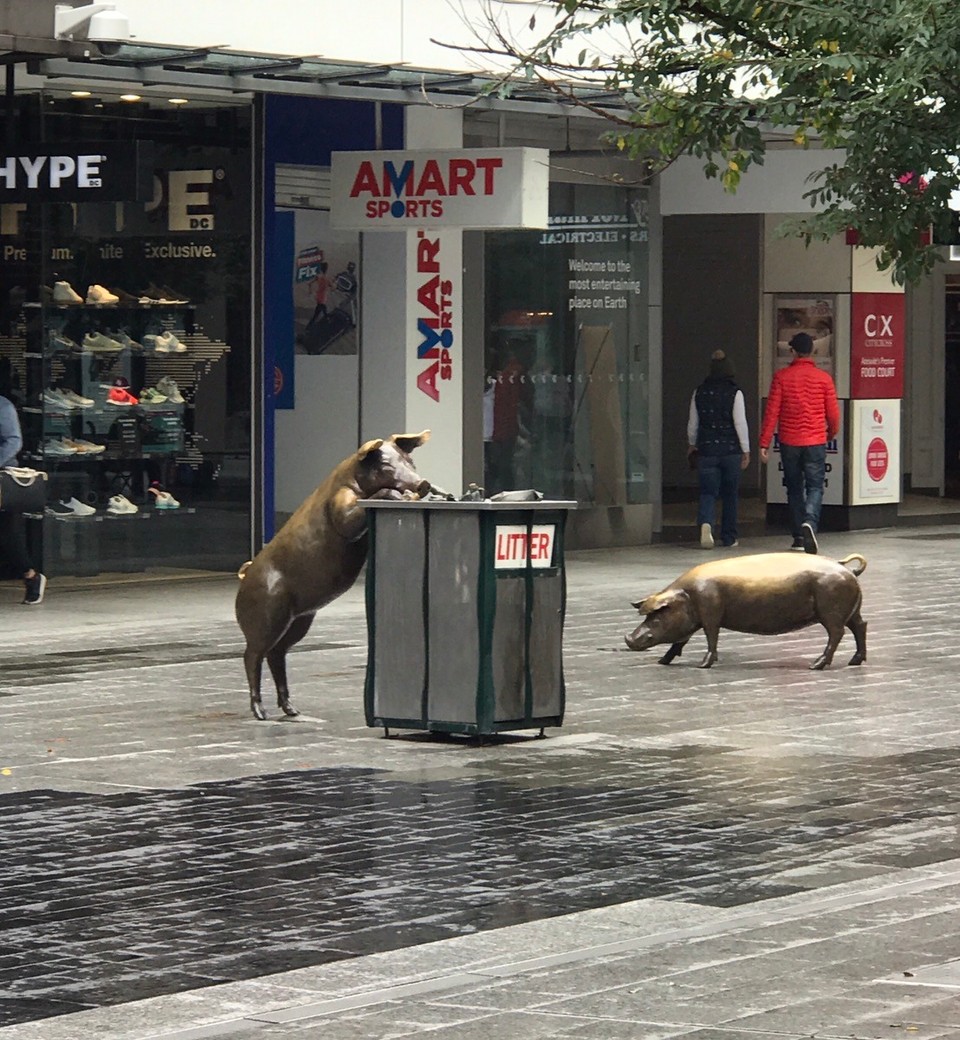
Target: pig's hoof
(819, 665)
(666, 659)
(257, 708)
(858, 658)
(709, 658)
(288, 709)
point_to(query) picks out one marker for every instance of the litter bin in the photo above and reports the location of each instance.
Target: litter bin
(465, 607)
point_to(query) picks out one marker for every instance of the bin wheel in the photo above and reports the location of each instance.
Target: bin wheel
(542, 734)
(386, 732)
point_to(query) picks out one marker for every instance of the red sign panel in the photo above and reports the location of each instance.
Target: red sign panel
(876, 345)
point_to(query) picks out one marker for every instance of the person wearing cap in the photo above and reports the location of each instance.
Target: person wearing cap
(717, 432)
(802, 406)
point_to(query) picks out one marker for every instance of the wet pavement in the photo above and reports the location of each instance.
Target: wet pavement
(750, 850)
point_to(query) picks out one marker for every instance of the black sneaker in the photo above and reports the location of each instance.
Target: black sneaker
(35, 588)
(809, 539)
(797, 545)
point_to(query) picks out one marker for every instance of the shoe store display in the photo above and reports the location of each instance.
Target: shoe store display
(97, 342)
(97, 294)
(124, 297)
(168, 387)
(77, 508)
(35, 588)
(119, 395)
(163, 499)
(63, 292)
(77, 400)
(55, 447)
(167, 343)
(120, 505)
(151, 396)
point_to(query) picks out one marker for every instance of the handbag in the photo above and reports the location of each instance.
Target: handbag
(22, 490)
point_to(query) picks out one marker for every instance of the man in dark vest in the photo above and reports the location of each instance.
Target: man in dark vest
(717, 432)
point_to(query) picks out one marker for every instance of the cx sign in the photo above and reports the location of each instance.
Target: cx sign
(876, 346)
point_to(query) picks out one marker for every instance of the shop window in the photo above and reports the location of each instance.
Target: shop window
(126, 344)
(566, 405)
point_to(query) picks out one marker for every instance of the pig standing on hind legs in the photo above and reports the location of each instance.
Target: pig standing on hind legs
(316, 556)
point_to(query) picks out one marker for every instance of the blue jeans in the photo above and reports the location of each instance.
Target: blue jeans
(720, 475)
(803, 473)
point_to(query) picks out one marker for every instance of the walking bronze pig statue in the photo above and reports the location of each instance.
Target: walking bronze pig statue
(316, 556)
(767, 594)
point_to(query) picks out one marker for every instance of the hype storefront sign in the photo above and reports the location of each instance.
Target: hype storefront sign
(89, 173)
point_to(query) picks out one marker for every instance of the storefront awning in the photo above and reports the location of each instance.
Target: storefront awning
(218, 69)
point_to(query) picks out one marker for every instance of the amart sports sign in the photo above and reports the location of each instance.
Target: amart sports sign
(467, 188)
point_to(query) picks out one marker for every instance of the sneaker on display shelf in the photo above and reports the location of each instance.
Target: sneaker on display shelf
(168, 386)
(163, 499)
(118, 395)
(60, 342)
(35, 588)
(125, 297)
(151, 396)
(55, 399)
(167, 343)
(97, 294)
(77, 400)
(58, 509)
(84, 447)
(98, 343)
(63, 292)
(120, 505)
(77, 508)
(55, 447)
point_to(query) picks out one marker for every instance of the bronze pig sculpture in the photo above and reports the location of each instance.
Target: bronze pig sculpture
(316, 556)
(767, 594)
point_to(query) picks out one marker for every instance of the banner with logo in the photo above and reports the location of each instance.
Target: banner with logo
(486, 188)
(876, 345)
(77, 172)
(875, 451)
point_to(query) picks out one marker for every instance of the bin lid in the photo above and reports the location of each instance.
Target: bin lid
(543, 505)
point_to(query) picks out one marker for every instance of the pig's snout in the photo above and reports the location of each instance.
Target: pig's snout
(640, 638)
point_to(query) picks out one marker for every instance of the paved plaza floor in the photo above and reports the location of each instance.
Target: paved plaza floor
(749, 852)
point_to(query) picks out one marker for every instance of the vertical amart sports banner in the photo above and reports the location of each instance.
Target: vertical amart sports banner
(434, 308)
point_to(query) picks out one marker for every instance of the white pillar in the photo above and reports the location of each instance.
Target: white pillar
(411, 325)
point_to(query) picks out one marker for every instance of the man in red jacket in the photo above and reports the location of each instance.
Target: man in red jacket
(803, 404)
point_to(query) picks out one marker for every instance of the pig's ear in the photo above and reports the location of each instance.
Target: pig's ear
(659, 600)
(364, 450)
(406, 442)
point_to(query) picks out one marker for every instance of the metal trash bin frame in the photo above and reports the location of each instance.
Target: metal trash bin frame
(464, 636)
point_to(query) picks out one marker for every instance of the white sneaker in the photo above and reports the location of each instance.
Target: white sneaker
(55, 447)
(706, 537)
(80, 508)
(84, 447)
(76, 399)
(168, 387)
(167, 343)
(57, 399)
(97, 294)
(98, 343)
(63, 292)
(164, 500)
(120, 505)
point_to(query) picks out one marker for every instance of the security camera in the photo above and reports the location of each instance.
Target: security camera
(108, 29)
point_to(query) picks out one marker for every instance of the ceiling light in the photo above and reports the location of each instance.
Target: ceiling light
(178, 100)
(129, 97)
(79, 93)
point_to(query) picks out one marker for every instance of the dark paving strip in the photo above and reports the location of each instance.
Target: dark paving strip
(36, 670)
(108, 899)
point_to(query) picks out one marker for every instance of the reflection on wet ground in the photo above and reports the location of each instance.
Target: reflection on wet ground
(108, 899)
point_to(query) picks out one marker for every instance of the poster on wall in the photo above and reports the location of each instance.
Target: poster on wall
(814, 315)
(832, 483)
(325, 285)
(875, 451)
(876, 345)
